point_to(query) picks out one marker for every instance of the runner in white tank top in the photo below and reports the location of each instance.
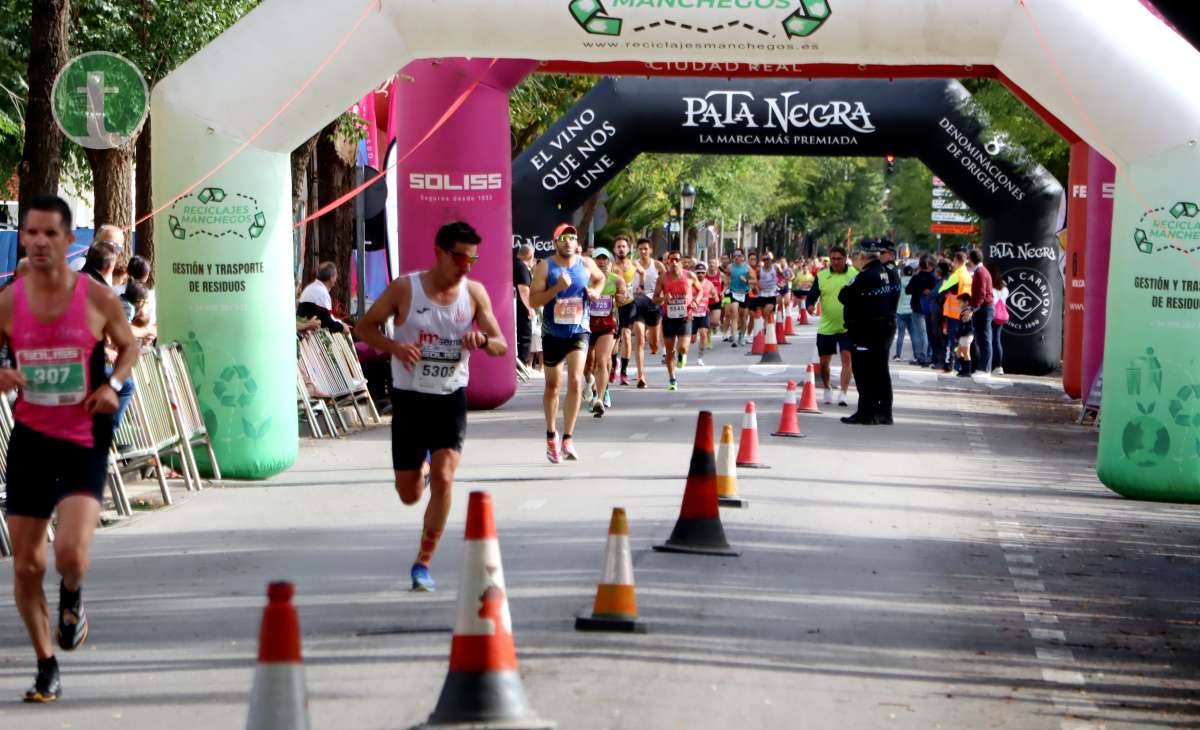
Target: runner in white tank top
(648, 317)
(432, 314)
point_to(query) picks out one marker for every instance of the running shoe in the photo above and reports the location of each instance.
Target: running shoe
(843, 400)
(46, 687)
(552, 451)
(598, 410)
(568, 449)
(673, 385)
(733, 343)
(641, 382)
(612, 377)
(624, 379)
(422, 581)
(700, 361)
(828, 396)
(72, 619)
(608, 399)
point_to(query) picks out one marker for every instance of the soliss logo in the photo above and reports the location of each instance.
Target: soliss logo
(455, 181)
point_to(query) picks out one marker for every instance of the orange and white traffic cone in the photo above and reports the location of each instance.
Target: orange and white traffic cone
(804, 316)
(756, 342)
(483, 689)
(615, 608)
(748, 447)
(789, 325)
(699, 529)
(780, 335)
(789, 421)
(808, 395)
(727, 486)
(278, 698)
(770, 353)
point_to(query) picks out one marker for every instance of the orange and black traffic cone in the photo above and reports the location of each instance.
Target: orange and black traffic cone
(789, 421)
(699, 529)
(808, 396)
(748, 447)
(483, 689)
(278, 698)
(615, 608)
(770, 354)
(727, 486)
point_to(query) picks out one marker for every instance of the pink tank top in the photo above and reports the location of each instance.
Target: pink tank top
(62, 362)
(679, 297)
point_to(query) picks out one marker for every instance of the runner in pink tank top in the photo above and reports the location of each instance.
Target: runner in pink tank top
(54, 322)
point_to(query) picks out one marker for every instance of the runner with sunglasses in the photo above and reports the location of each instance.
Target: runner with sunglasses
(603, 324)
(647, 324)
(739, 294)
(676, 291)
(432, 313)
(702, 308)
(563, 285)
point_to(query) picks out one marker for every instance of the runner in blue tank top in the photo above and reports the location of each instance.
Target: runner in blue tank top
(561, 286)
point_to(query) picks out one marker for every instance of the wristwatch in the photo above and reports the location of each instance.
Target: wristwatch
(116, 384)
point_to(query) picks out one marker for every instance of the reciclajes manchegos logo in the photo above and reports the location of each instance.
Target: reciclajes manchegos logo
(799, 18)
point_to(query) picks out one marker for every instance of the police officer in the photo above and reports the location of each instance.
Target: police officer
(870, 303)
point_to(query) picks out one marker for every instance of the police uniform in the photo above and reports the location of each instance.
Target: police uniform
(870, 303)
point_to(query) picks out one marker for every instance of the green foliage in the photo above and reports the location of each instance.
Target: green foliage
(14, 62)
(911, 202)
(1009, 116)
(825, 196)
(539, 101)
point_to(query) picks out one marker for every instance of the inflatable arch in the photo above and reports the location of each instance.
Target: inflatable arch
(1112, 72)
(1017, 200)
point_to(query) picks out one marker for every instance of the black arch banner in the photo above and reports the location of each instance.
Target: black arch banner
(934, 120)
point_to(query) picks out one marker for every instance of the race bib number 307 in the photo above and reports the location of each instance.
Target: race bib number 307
(54, 376)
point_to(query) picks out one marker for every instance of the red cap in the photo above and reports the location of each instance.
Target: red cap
(564, 228)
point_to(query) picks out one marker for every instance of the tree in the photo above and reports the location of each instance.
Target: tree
(1009, 116)
(539, 101)
(15, 18)
(41, 157)
(337, 146)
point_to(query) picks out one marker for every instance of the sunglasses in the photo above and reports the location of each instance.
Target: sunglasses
(673, 259)
(463, 259)
(568, 237)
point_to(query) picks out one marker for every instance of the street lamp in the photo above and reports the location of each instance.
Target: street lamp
(687, 199)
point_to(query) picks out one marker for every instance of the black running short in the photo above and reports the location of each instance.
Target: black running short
(676, 327)
(830, 344)
(43, 470)
(762, 302)
(699, 323)
(626, 314)
(556, 349)
(424, 422)
(648, 313)
(714, 306)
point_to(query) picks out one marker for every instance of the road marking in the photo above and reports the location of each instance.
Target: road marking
(1062, 656)
(1018, 536)
(1036, 602)
(1048, 635)
(610, 454)
(639, 436)
(1035, 586)
(1068, 703)
(1060, 676)
(1026, 559)
(1037, 617)
(532, 504)
(1028, 572)
(662, 419)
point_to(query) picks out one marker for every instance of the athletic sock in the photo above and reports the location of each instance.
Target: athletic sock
(624, 366)
(48, 664)
(551, 434)
(429, 543)
(66, 598)
(566, 437)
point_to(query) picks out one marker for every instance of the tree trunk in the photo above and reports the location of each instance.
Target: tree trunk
(312, 231)
(587, 213)
(301, 157)
(335, 160)
(112, 182)
(41, 158)
(144, 202)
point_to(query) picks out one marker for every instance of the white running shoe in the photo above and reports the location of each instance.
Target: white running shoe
(842, 399)
(828, 396)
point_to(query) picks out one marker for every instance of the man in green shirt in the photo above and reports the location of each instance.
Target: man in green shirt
(831, 333)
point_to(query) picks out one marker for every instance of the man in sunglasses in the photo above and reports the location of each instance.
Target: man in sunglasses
(563, 284)
(432, 313)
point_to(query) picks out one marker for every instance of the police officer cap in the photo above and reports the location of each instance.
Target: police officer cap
(869, 246)
(886, 245)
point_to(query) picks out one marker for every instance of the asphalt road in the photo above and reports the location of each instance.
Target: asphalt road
(961, 569)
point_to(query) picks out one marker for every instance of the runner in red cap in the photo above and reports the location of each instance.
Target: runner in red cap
(432, 313)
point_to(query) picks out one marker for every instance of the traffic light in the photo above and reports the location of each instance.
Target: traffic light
(891, 164)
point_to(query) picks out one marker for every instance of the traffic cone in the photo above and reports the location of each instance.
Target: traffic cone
(748, 448)
(789, 421)
(781, 333)
(756, 342)
(804, 316)
(727, 489)
(615, 608)
(483, 689)
(770, 354)
(808, 396)
(699, 529)
(278, 698)
(789, 326)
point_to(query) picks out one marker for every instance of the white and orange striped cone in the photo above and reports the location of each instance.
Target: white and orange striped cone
(756, 335)
(770, 353)
(789, 420)
(483, 689)
(789, 325)
(804, 316)
(808, 396)
(748, 446)
(278, 698)
(615, 608)
(727, 486)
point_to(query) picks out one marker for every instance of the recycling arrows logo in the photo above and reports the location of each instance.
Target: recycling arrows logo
(215, 213)
(593, 17)
(1180, 232)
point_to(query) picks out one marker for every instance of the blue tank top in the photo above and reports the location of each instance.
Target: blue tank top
(568, 313)
(739, 278)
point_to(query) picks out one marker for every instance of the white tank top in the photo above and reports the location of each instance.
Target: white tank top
(768, 284)
(650, 278)
(439, 329)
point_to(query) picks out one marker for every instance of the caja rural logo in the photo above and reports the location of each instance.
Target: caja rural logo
(799, 22)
